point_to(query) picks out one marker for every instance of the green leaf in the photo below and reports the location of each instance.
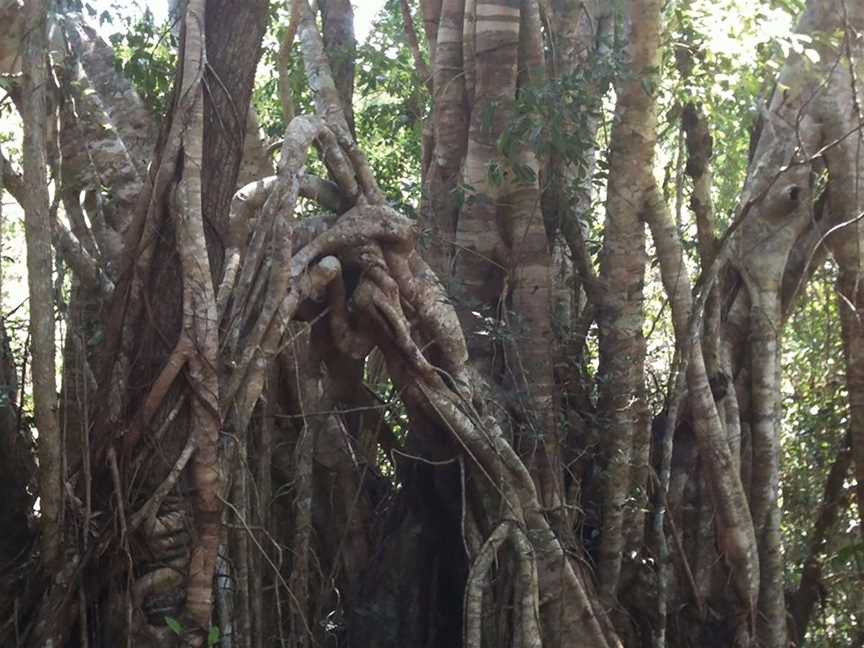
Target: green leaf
(850, 552)
(213, 636)
(174, 625)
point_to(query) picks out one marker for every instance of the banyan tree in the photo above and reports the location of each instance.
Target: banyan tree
(219, 464)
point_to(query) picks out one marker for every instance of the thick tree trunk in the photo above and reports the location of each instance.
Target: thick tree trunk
(234, 31)
(622, 275)
(213, 394)
(337, 20)
(643, 199)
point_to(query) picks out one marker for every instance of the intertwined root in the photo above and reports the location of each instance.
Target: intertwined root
(361, 273)
(378, 292)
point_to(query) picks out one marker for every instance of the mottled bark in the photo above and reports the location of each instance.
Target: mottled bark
(200, 328)
(622, 275)
(444, 149)
(776, 210)
(195, 393)
(699, 146)
(39, 269)
(234, 33)
(482, 206)
(579, 42)
(337, 21)
(733, 525)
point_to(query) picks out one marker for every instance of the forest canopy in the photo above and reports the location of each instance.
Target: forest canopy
(472, 323)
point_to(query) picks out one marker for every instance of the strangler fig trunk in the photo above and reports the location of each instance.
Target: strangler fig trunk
(292, 415)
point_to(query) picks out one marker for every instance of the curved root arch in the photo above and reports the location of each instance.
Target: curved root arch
(374, 290)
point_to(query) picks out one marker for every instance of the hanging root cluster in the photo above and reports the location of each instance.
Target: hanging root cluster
(360, 277)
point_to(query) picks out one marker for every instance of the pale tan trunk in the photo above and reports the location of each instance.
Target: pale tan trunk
(39, 272)
(337, 18)
(624, 423)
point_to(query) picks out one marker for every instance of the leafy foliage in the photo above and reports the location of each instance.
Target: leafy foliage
(734, 51)
(145, 53)
(391, 104)
(815, 419)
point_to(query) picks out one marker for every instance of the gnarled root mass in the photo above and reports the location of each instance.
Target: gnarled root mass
(368, 287)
